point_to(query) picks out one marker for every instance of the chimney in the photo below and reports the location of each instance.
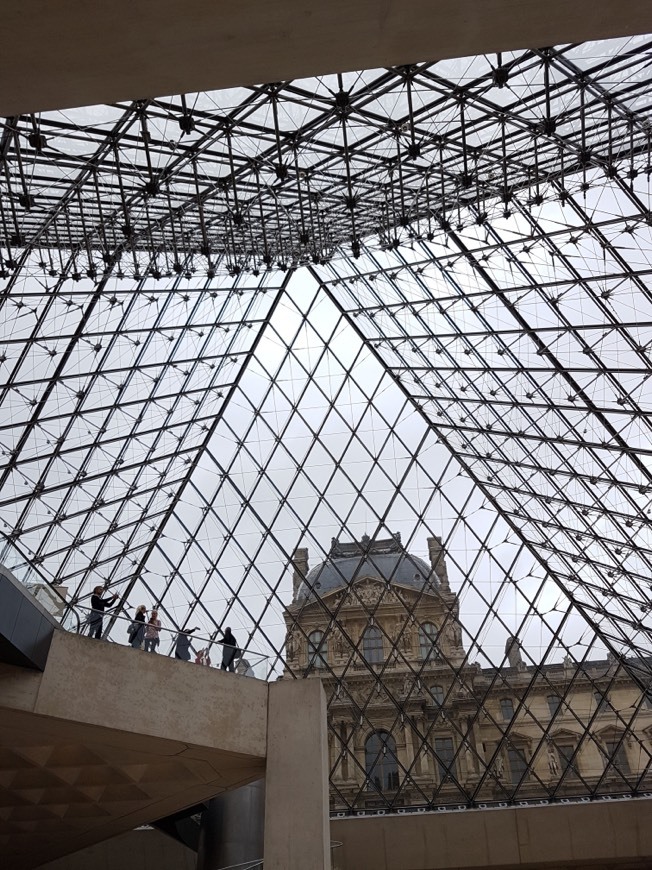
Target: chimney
(300, 564)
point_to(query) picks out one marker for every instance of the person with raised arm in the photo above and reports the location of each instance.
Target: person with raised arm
(182, 648)
(230, 652)
(98, 606)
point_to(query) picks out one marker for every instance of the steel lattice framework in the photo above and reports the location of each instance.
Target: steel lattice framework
(415, 299)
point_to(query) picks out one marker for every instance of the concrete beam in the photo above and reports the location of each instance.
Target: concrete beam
(297, 830)
(74, 53)
(601, 834)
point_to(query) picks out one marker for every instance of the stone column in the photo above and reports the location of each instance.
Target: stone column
(422, 752)
(337, 749)
(409, 746)
(346, 761)
(297, 825)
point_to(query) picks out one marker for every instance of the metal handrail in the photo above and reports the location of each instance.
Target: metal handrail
(207, 641)
(255, 863)
(249, 865)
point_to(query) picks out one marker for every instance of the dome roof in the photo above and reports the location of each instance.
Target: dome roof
(385, 560)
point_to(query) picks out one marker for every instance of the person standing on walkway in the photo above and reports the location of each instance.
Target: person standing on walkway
(182, 649)
(136, 630)
(152, 630)
(230, 651)
(98, 606)
(203, 658)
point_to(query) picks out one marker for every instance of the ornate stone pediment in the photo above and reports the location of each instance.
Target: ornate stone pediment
(367, 591)
(371, 592)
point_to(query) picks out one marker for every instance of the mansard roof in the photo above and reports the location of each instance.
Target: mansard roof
(383, 559)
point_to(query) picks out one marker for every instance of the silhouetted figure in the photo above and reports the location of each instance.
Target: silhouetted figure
(182, 649)
(152, 630)
(98, 606)
(136, 630)
(230, 651)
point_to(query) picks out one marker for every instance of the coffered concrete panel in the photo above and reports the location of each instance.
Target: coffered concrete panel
(108, 738)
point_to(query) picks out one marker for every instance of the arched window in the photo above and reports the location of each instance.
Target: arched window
(317, 654)
(372, 645)
(437, 693)
(381, 764)
(428, 641)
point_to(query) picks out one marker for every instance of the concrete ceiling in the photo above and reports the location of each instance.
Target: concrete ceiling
(63, 788)
(58, 55)
(108, 738)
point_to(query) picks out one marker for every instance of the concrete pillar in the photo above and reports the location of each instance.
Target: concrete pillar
(232, 828)
(297, 826)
